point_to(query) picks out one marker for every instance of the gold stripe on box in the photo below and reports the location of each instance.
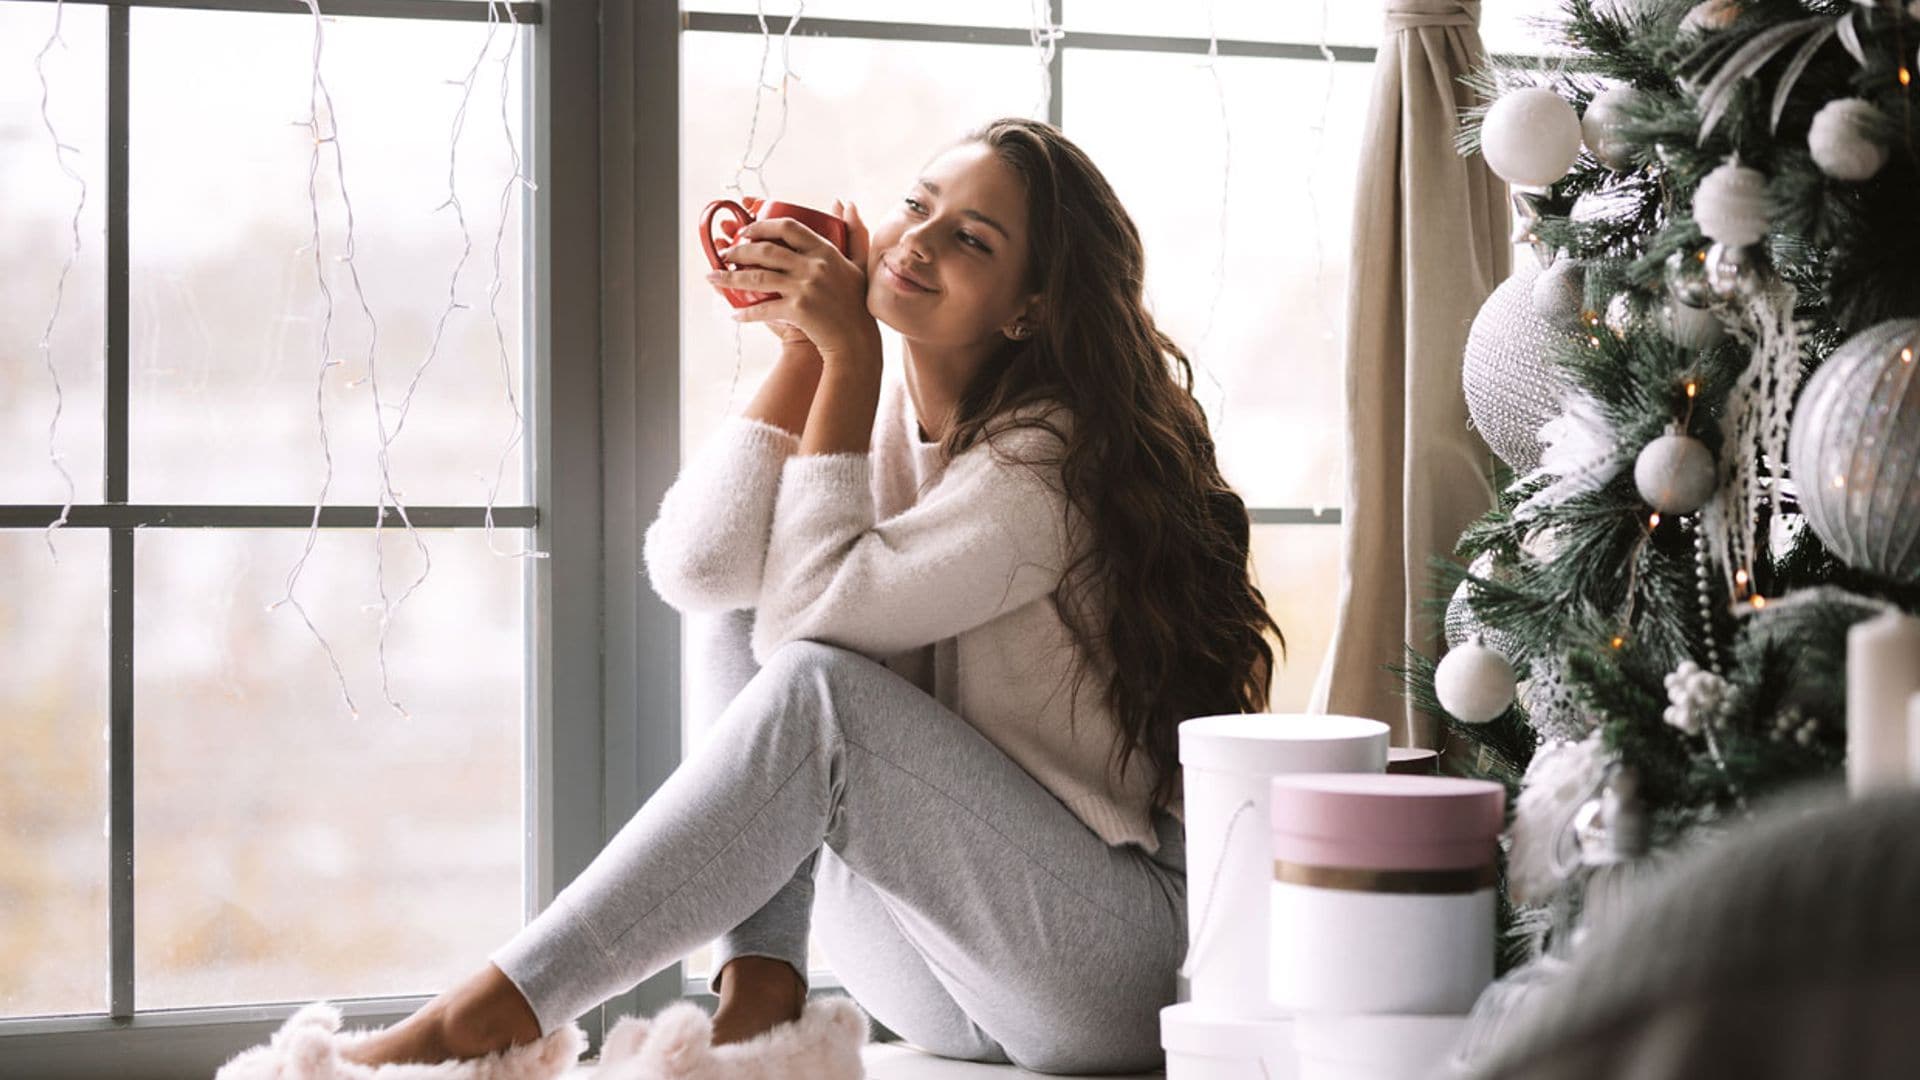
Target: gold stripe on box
(1359, 879)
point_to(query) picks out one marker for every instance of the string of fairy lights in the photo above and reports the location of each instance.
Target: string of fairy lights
(60, 150)
(321, 123)
(323, 128)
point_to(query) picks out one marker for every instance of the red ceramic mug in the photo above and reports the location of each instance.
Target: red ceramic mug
(831, 228)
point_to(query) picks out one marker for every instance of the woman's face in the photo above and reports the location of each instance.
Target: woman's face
(960, 228)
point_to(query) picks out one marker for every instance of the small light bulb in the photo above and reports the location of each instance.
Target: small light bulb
(1618, 641)
(1759, 601)
(1905, 75)
(1839, 481)
(1740, 578)
(1653, 520)
(1692, 389)
(1906, 355)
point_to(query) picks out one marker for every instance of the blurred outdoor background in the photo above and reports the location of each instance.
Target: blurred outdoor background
(287, 849)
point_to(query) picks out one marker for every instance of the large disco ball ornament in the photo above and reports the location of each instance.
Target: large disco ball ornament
(1855, 451)
(1508, 374)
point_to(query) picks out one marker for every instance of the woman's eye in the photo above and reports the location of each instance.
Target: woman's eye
(969, 237)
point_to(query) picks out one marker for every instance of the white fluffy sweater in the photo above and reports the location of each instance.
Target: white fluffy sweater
(948, 586)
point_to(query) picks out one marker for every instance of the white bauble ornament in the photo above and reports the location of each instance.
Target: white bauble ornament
(1600, 127)
(1474, 683)
(1854, 451)
(1844, 139)
(1689, 327)
(1675, 473)
(1730, 205)
(1559, 291)
(1531, 136)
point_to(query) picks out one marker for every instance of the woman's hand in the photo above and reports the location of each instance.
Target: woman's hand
(822, 293)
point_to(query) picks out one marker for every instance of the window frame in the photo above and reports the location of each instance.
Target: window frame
(603, 686)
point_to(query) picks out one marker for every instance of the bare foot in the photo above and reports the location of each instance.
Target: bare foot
(482, 1014)
(757, 995)
(420, 1037)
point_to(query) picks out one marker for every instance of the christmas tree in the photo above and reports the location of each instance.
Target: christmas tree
(1705, 400)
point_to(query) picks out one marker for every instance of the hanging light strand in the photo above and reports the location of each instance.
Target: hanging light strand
(60, 150)
(316, 93)
(1043, 32)
(1220, 249)
(514, 182)
(758, 169)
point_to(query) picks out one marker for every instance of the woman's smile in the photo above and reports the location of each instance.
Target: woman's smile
(898, 282)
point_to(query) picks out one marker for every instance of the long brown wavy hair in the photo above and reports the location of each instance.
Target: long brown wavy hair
(1167, 569)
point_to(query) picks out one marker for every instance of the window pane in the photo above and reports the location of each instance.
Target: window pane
(1297, 569)
(284, 849)
(37, 238)
(1508, 26)
(1345, 22)
(53, 772)
(1268, 371)
(229, 320)
(942, 12)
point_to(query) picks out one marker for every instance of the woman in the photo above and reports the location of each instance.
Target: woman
(925, 572)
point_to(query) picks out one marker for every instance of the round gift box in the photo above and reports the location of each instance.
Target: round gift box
(1382, 895)
(1202, 1045)
(1227, 762)
(1375, 1047)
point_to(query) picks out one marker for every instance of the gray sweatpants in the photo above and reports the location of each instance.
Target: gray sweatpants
(962, 904)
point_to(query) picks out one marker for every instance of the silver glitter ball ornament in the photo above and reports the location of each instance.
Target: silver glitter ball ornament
(1600, 127)
(1462, 625)
(1854, 451)
(1733, 272)
(1508, 373)
(1686, 275)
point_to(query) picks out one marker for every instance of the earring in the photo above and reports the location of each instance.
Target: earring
(1019, 331)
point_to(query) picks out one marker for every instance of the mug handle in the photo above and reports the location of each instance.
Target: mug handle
(742, 216)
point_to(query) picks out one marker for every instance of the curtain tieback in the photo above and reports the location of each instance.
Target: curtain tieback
(1414, 14)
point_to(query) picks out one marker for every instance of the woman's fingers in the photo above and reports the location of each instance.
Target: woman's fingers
(761, 254)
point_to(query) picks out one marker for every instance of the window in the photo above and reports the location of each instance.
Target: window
(213, 795)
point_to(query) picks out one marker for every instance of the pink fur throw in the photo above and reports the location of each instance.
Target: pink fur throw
(677, 1044)
(308, 1046)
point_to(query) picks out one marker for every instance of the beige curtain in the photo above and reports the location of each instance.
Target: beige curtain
(1430, 241)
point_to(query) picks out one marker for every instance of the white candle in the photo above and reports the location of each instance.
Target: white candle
(1883, 673)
